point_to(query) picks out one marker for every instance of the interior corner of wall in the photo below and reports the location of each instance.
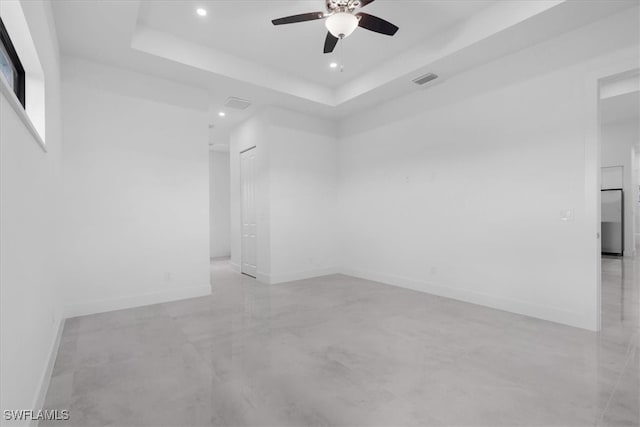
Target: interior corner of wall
(263, 277)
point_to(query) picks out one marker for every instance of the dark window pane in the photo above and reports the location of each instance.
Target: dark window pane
(6, 68)
(10, 65)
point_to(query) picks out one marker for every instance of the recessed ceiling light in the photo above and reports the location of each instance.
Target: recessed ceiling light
(333, 65)
(201, 12)
(222, 114)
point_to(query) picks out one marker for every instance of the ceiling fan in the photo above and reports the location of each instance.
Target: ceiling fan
(342, 21)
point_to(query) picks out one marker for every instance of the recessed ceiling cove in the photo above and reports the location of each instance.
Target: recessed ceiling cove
(236, 50)
(244, 29)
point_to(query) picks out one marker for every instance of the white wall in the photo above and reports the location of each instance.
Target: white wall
(296, 194)
(219, 204)
(303, 186)
(459, 190)
(136, 188)
(618, 139)
(30, 293)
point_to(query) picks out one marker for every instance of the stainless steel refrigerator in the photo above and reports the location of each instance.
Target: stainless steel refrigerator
(612, 222)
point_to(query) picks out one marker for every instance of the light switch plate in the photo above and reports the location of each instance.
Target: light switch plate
(566, 215)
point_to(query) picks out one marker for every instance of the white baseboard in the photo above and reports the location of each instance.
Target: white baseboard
(235, 267)
(113, 304)
(301, 275)
(552, 314)
(263, 277)
(45, 378)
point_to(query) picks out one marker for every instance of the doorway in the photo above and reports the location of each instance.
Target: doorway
(619, 207)
(619, 107)
(248, 212)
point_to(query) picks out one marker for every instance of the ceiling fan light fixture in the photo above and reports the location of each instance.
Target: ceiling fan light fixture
(341, 24)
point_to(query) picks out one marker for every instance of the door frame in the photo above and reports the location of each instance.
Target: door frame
(241, 218)
(621, 62)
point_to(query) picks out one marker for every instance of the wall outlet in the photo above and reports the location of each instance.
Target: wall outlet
(168, 276)
(566, 215)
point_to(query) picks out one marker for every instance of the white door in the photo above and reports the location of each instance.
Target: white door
(249, 248)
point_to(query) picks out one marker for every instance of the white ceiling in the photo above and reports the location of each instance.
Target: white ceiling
(236, 51)
(244, 29)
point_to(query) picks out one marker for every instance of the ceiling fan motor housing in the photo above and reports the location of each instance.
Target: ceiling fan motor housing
(334, 6)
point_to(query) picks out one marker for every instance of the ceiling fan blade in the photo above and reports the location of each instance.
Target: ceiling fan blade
(363, 3)
(330, 43)
(298, 18)
(375, 24)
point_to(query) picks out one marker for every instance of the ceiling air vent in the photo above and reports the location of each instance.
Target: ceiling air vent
(237, 103)
(425, 79)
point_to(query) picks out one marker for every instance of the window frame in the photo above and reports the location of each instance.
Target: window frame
(19, 80)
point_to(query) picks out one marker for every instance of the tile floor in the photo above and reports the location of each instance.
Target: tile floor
(343, 351)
